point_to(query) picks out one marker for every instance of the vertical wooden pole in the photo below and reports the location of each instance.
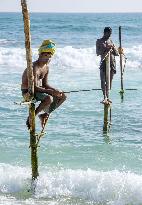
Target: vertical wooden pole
(108, 72)
(107, 106)
(121, 65)
(106, 115)
(33, 145)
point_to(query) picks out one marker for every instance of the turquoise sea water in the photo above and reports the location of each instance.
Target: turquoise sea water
(78, 164)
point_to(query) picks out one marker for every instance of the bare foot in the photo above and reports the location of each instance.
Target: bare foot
(105, 101)
(109, 100)
(43, 119)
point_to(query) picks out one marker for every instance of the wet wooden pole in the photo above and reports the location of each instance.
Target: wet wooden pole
(33, 140)
(121, 65)
(107, 113)
(107, 109)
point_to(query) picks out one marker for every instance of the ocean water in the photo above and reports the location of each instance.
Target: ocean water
(78, 164)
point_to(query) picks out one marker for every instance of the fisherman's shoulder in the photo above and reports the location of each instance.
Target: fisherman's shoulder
(100, 40)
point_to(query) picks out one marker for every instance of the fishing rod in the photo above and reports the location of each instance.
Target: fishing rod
(71, 91)
(83, 90)
(121, 66)
(93, 89)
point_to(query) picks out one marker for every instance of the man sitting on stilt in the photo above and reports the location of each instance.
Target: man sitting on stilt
(49, 97)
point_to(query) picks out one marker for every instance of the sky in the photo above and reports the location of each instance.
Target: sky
(73, 5)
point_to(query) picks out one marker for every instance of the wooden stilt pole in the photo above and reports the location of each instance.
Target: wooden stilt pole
(33, 144)
(108, 73)
(121, 66)
(106, 118)
(107, 87)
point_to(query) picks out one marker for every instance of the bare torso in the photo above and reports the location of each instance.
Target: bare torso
(39, 72)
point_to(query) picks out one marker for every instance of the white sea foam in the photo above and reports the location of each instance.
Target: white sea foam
(12, 179)
(134, 57)
(109, 188)
(84, 58)
(12, 57)
(112, 187)
(77, 58)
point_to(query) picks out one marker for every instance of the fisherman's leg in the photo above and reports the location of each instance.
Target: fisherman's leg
(44, 105)
(103, 85)
(46, 101)
(60, 100)
(57, 101)
(103, 77)
(26, 97)
(107, 88)
(107, 91)
(111, 77)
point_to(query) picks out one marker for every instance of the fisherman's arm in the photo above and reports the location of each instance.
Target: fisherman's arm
(45, 83)
(37, 88)
(46, 86)
(115, 51)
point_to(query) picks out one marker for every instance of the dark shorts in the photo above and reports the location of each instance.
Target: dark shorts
(38, 96)
(112, 66)
(41, 96)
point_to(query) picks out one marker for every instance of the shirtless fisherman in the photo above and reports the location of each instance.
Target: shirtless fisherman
(50, 97)
(103, 46)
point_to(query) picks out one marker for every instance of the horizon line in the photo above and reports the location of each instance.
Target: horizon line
(118, 12)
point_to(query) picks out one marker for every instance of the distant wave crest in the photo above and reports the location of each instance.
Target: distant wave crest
(68, 57)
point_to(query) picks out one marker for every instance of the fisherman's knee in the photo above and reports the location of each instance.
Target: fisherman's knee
(64, 97)
(48, 99)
